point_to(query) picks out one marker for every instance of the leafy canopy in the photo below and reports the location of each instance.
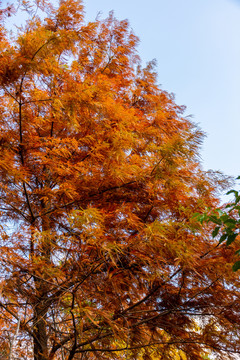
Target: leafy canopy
(99, 178)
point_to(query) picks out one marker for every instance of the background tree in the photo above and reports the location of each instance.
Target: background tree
(100, 255)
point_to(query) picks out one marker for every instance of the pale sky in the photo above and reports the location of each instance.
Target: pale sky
(197, 47)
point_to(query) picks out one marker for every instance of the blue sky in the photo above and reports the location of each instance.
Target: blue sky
(197, 47)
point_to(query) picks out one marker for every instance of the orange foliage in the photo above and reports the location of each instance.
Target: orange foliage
(100, 256)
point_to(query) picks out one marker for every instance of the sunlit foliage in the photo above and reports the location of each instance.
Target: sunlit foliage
(101, 257)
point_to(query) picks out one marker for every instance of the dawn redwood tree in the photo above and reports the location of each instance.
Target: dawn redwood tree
(99, 178)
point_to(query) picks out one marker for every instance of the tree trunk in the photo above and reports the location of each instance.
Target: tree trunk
(40, 336)
(42, 290)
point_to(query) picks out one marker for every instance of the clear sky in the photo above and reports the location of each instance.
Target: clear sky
(197, 47)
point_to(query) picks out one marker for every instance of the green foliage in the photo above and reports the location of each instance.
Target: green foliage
(227, 220)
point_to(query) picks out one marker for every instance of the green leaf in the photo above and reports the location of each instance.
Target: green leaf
(230, 223)
(197, 216)
(237, 199)
(201, 217)
(232, 192)
(231, 238)
(215, 231)
(224, 217)
(222, 238)
(215, 219)
(236, 266)
(237, 252)
(236, 194)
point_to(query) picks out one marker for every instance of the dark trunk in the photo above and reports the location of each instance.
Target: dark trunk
(42, 290)
(40, 336)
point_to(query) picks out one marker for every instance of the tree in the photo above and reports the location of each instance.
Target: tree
(227, 223)
(100, 255)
